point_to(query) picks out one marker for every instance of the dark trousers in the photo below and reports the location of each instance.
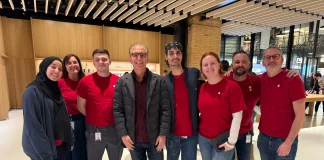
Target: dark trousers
(268, 147)
(317, 105)
(80, 149)
(62, 151)
(140, 150)
(243, 149)
(109, 141)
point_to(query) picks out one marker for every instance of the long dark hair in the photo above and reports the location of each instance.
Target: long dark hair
(66, 60)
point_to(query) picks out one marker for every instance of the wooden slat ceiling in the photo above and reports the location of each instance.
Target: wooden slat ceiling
(144, 12)
(256, 16)
(243, 16)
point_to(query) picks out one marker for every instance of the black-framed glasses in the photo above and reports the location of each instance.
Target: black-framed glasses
(142, 55)
(274, 57)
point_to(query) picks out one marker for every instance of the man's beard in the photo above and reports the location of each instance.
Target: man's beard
(239, 73)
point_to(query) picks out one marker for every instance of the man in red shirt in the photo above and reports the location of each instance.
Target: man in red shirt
(95, 101)
(142, 108)
(250, 86)
(282, 109)
(183, 88)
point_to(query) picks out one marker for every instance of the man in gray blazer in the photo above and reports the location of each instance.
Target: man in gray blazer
(142, 108)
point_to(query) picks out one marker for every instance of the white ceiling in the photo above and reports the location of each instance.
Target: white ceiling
(255, 16)
(243, 16)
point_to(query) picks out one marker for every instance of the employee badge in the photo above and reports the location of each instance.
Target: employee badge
(248, 138)
(250, 88)
(72, 124)
(98, 136)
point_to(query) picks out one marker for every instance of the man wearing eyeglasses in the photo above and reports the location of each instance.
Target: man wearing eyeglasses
(142, 108)
(95, 101)
(282, 109)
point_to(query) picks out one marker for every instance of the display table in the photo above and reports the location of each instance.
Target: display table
(312, 98)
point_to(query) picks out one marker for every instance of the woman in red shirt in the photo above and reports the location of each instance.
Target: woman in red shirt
(220, 104)
(72, 73)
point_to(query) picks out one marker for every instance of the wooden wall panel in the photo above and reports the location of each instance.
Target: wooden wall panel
(91, 39)
(18, 36)
(165, 38)
(23, 75)
(2, 47)
(113, 42)
(69, 39)
(11, 84)
(4, 92)
(20, 63)
(53, 38)
(118, 40)
(45, 38)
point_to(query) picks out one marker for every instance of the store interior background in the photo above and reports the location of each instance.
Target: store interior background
(28, 37)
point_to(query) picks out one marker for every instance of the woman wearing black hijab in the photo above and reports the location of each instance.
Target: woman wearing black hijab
(46, 132)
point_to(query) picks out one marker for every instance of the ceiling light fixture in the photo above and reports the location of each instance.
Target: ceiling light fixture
(322, 28)
(280, 34)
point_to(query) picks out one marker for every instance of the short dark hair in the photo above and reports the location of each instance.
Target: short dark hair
(239, 52)
(318, 75)
(165, 71)
(169, 46)
(100, 50)
(66, 60)
(225, 65)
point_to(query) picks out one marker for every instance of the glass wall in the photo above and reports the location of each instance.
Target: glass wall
(320, 48)
(279, 38)
(257, 56)
(302, 48)
(229, 45)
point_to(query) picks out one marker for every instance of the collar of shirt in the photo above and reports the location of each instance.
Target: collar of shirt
(144, 77)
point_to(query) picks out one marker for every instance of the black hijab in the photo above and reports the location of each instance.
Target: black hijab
(61, 122)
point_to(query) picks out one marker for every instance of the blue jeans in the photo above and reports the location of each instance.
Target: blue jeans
(243, 149)
(208, 152)
(268, 147)
(188, 147)
(140, 149)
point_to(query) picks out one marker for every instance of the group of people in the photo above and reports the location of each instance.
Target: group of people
(79, 117)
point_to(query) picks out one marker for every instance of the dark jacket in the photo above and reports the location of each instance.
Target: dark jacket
(193, 84)
(309, 83)
(157, 102)
(37, 138)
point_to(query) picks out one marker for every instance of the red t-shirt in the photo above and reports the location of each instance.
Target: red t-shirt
(58, 142)
(99, 93)
(251, 89)
(216, 104)
(183, 124)
(277, 96)
(68, 88)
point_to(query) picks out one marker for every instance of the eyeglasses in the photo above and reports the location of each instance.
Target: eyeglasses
(274, 57)
(135, 55)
